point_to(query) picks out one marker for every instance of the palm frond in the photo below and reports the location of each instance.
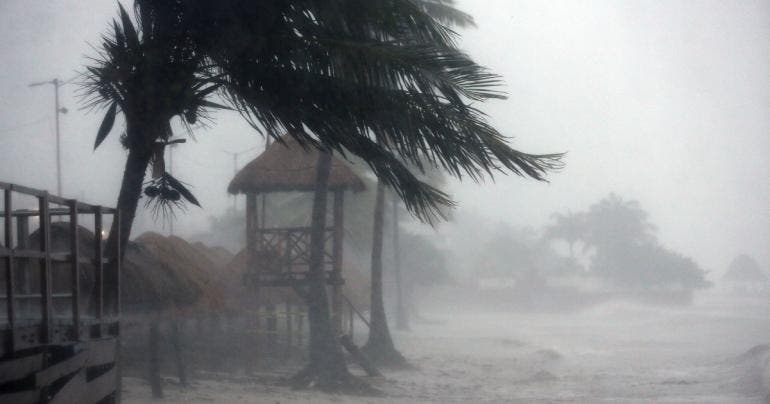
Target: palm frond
(374, 78)
(445, 12)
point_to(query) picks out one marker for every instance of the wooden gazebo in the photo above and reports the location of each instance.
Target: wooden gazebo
(279, 256)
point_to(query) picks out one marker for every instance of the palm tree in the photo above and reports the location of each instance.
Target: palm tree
(377, 79)
(379, 345)
(570, 227)
(614, 222)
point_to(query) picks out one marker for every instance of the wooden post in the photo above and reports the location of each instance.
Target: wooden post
(253, 240)
(154, 360)
(351, 319)
(253, 237)
(45, 268)
(25, 277)
(251, 228)
(99, 266)
(338, 235)
(300, 330)
(289, 328)
(176, 342)
(118, 221)
(272, 328)
(75, 268)
(10, 268)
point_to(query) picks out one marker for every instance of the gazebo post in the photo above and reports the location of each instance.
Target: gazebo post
(253, 236)
(338, 211)
(252, 228)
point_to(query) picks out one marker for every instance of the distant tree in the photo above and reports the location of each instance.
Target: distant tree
(627, 253)
(507, 252)
(745, 268)
(424, 262)
(570, 227)
(648, 266)
(613, 222)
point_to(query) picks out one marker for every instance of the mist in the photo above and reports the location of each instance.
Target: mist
(638, 272)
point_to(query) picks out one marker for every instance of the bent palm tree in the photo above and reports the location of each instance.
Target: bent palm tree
(379, 345)
(375, 78)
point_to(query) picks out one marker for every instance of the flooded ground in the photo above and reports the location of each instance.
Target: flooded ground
(711, 352)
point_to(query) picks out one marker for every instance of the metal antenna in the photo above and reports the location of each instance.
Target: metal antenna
(235, 165)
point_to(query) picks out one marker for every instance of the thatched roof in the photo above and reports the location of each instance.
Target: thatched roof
(157, 272)
(183, 268)
(290, 167)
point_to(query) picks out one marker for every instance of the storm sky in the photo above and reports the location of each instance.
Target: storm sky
(665, 102)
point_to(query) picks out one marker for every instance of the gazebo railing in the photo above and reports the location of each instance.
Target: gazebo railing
(289, 248)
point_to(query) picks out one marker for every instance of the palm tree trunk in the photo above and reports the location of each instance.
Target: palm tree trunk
(402, 321)
(128, 199)
(379, 347)
(327, 365)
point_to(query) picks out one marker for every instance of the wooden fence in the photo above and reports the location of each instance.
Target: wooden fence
(59, 322)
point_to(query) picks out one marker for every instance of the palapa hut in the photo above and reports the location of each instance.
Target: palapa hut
(278, 256)
(157, 273)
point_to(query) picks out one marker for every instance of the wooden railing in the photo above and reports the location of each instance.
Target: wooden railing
(58, 343)
(282, 256)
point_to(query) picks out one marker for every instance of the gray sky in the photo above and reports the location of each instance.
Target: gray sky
(665, 102)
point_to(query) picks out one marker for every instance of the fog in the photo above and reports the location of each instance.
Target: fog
(663, 104)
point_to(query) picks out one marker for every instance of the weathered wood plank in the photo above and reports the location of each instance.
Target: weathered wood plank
(55, 372)
(10, 268)
(75, 268)
(21, 397)
(102, 351)
(102, 386)
(118, 222)
(99, 261)
(14, 369)
(72, 392)
(45, 267)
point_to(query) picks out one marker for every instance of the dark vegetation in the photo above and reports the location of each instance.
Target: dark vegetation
(611, 251)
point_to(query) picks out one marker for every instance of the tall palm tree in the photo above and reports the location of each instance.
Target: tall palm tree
(375, 78)
(379, 345)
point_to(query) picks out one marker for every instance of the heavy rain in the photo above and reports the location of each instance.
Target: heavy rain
(384, 201)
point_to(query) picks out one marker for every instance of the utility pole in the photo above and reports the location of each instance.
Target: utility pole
(57, 110)
(235, 167)
(235, 171)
